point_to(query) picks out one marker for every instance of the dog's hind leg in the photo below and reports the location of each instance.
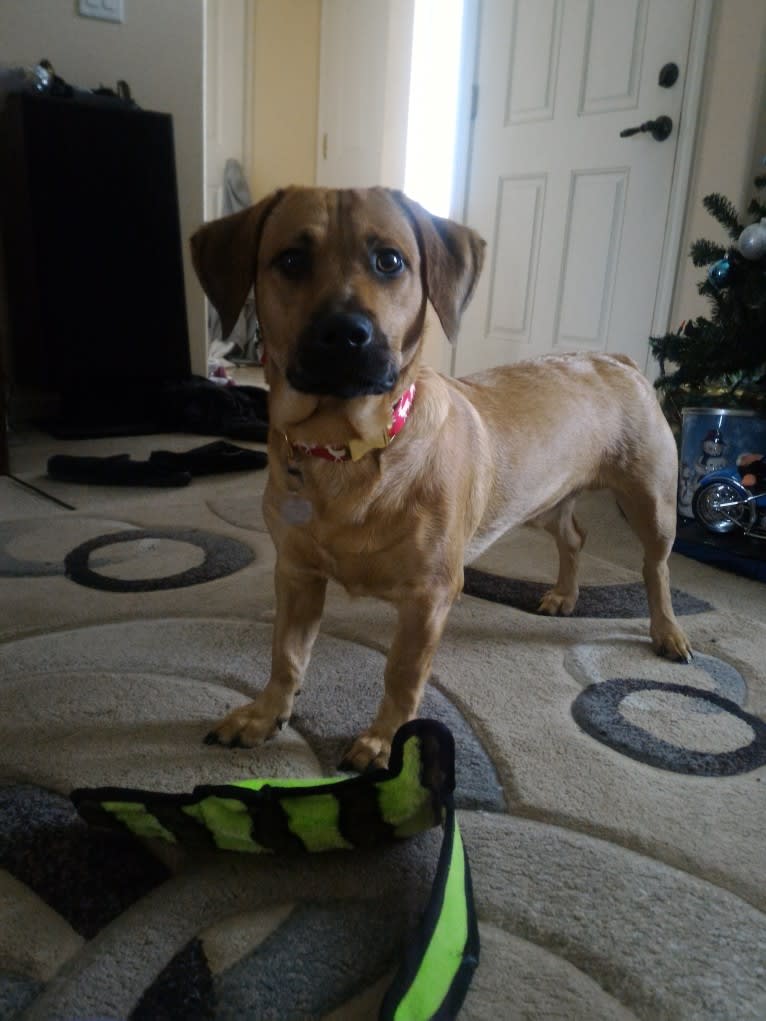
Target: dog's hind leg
(570, 537)
(651, 513)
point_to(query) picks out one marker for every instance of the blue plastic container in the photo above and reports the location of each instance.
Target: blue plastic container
(714, 438)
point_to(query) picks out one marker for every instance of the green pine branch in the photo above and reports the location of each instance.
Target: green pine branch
(725, 212)
(704, 253)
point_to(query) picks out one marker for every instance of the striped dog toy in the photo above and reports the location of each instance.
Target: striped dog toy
(275, 816)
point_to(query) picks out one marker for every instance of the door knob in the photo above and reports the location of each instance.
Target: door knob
(659, 129)
(668, 75)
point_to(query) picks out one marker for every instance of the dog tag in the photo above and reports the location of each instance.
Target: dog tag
(296, 510)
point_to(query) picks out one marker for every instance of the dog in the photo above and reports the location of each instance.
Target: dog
(387, 476)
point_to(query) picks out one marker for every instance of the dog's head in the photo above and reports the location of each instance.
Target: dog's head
(341, 280)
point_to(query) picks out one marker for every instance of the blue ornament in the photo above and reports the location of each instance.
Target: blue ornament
(718, 274)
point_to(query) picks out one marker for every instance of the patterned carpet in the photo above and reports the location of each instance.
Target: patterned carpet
(611, 803)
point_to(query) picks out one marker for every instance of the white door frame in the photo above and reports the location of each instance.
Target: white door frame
(687, 139)
(688, 131)
(466, 115)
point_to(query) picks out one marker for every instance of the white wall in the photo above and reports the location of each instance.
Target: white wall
(159, 52)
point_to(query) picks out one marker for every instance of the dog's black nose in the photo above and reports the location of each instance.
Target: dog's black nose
(345, 329)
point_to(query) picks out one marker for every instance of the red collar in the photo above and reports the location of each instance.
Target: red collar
(358, 448)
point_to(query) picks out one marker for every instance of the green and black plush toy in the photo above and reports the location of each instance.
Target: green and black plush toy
(280, 816)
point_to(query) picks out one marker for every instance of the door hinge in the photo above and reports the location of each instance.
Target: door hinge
(324, 146)
(474, 101)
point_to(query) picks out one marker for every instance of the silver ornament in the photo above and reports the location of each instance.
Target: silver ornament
(752, 240)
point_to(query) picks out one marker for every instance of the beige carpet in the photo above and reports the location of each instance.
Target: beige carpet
(612, 804)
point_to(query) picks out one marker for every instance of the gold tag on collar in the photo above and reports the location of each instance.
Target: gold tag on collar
(358, 448)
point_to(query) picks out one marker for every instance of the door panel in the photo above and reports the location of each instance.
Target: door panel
(614, 55)
(533, 61)
(514, 265)
(593, 226)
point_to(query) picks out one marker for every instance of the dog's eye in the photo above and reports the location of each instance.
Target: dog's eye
(388, 262)
(293, 263)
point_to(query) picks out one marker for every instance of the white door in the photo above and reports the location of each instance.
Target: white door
(364, 77)
(574, 215)
(352, 66)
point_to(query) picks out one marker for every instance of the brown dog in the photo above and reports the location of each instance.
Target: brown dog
(341, 280)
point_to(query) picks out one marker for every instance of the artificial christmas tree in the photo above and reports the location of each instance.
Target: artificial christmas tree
(723, 357)
(713, 389)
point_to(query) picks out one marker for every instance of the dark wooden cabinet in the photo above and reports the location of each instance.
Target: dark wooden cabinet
(93, 272)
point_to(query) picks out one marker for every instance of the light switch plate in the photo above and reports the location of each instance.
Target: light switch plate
(105, 10)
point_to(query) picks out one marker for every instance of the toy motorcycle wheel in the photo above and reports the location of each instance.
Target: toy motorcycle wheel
(723, 505)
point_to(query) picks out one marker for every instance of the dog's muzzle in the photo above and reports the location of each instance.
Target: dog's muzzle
(343, 354)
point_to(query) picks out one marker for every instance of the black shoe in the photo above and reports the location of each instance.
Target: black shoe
(211, 459)
(117, 470)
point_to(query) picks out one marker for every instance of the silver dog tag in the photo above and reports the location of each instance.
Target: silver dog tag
(296, 510)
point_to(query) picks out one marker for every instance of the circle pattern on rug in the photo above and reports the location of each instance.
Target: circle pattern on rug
(598, 710)
(32, 549)
(599, 660)
(222, 556)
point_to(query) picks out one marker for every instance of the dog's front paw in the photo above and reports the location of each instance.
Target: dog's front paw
(672, 644)
(251, 724)
(369, 751)
(558, 604)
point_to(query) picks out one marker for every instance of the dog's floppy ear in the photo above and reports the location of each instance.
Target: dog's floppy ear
(452, 256)
(224, 255)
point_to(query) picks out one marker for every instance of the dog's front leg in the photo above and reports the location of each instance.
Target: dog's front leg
(300, 601)
(420, 625)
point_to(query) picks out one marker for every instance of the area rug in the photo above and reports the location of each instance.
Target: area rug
(612, 804)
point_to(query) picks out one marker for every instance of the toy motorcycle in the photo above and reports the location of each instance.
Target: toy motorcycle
(723, 504)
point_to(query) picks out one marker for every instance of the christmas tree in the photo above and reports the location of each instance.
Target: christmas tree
(726, 352)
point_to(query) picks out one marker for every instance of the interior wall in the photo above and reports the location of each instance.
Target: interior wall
(285, 77)
(731, 136)
(158, 50)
